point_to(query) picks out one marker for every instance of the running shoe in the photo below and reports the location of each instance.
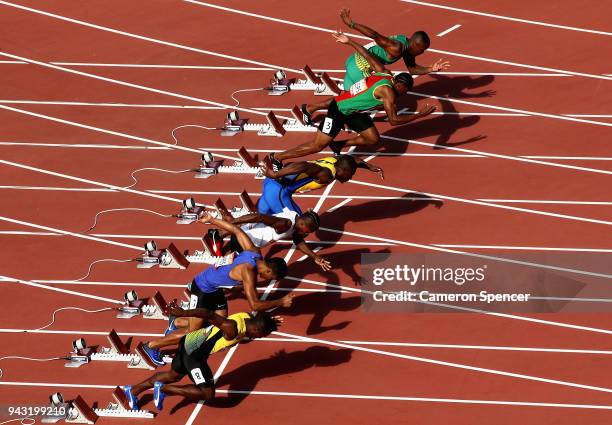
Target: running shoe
(336, 147)
(276, 164)
(153, 354)
(132, 399)
(158, 395)
(171, 326)
(306, 116)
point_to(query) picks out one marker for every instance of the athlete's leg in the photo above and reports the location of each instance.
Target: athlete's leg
(311, 108)
(320, 141)
(191, 392)
(288, 202)
(269, 202)
(166, 377)
(366, 137)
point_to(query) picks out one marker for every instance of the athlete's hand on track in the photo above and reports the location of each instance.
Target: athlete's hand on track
(206, 218)
(379, 170)
(345, 15)
(267, 171)
(279, 320)
(341, 38)
(441, 65)
(288, 300)
(426, 110)
(323, 263)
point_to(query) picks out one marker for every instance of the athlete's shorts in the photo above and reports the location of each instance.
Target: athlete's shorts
(275, 198)
(335, 120)
(233, 245)
(212, 301)
(195, 364)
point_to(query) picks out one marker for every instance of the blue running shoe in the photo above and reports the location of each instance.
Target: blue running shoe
(171, 326)
(132, 399)
(154, 354)
(158, 395)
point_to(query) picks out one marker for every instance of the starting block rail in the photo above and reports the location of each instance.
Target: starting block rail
(248, 164)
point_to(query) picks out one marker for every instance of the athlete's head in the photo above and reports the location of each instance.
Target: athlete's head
(419, 42)
(272, 268)
(261, 325)
(307, 223)
(345, 168)
(403, 83)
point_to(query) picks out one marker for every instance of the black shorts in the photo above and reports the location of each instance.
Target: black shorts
(195, 364)
(212, 301)
(234, 245)
(335, 120)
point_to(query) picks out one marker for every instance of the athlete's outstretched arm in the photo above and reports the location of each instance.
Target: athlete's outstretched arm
(244, 241)
(388, 96)
(374, 63)
(320, 261)
(391, 46)
(280, 225)
(227, 326)
(257, 304)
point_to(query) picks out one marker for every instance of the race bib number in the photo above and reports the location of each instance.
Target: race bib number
(193, 301)
(197, 376)
(358, 87)
(327, 125)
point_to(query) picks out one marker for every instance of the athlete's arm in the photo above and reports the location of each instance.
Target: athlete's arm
(388, 96)
(320, 261)
(280, 225)
(244, 241)
(416, 69)
(227, 326)
(370, 167)
(248, 283)
(393, 47)
(374, 63)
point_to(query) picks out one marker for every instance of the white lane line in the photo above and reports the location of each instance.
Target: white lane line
(453, 28)
(305, 195)
(375, 343)
(336, 396)
(341, 204)
(486, 204)
(140, 37)
(520, 111)
(312, 27)
(68, 233)
(132, 85)
(495, 155)
(447, 364)
(131, 105)
(524, 248)
(111, 132)
(52, 288)
(507, 18)
(92, 182)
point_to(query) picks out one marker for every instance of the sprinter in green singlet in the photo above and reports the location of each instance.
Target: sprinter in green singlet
(380, 89)
(387, 50)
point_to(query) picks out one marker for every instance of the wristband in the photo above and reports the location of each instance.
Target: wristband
(352, 25)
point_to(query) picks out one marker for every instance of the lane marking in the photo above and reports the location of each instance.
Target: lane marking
(444, 363)
(140, 37)
(53, 288)
(111, 132)
(341, 204)
(507, 18)
(453, 28)
(486, 204)
(132, 85)
(338, 396)
(312, 27)
(375, 343)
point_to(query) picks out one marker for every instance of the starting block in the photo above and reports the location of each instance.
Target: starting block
(248, 206)
(190, 212)
(169, 258)
(79, 412)
(156, 310)
(132, 307)
(233, 124)
(280, 84)
(322, 85)
(247, 164)
(207, 255)
(275, 127)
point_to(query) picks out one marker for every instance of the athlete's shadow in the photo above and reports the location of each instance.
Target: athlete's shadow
(245, 378)
(444, 126)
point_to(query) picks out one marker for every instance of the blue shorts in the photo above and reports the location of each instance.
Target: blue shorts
(275, 198)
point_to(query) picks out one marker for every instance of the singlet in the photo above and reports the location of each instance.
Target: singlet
(303, 182)
(262, 235)
(213, 277)
(380, 53)
(214, 336)
(360, 96)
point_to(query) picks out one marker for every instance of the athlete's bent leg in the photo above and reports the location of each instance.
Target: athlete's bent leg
(366, 137)
(174, 338)
(311, 108)
(166, 377)
(320, 141)
(191, 392)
